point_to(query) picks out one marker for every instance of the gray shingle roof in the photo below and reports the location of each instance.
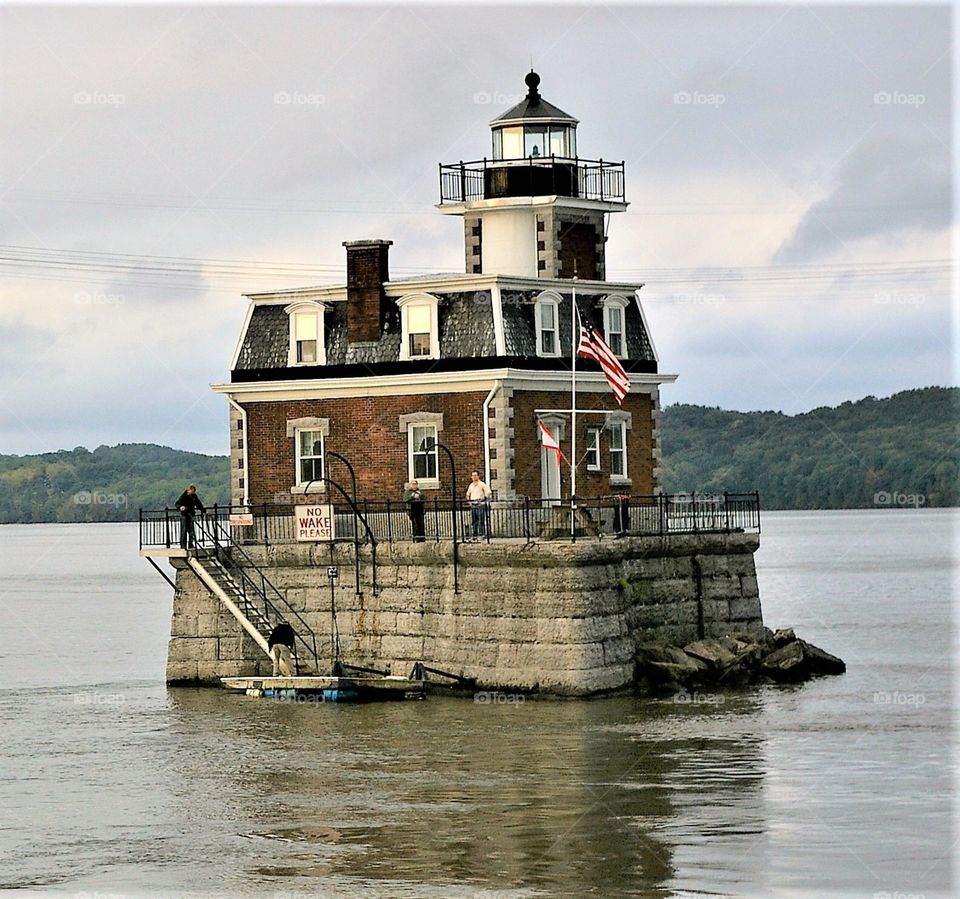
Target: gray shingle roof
(465, 324)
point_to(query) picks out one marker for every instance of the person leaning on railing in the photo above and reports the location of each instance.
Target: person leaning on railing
(621, 514)
(415, 509)
(188, 504)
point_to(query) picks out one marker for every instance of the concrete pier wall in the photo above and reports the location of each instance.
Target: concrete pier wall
(552, 616)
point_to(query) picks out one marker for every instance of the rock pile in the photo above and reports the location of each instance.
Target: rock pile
(736, 660)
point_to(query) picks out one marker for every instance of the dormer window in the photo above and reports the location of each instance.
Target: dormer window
(547, 321)
(306, 334)
(419, 327)
(614, 325)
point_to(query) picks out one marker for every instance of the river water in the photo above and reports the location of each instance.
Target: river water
(113, 785)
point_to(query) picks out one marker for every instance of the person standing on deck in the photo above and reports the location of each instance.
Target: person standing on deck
(188, 504)
(478, 495)
(415, 509)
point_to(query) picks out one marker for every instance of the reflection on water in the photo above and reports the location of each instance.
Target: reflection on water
(540, 795)
(112, 784)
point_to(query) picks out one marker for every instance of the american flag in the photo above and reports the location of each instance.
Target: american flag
(593, 346)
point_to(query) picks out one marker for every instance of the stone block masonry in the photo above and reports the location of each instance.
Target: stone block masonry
(553, 617)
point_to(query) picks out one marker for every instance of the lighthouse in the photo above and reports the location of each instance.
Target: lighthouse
(534, 208)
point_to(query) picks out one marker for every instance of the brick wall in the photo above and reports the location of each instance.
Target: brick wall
(366, 431)
(526, 445)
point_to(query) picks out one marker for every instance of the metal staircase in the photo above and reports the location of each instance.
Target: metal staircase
(244, 590)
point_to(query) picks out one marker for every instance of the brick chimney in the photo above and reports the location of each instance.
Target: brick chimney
(366, 273)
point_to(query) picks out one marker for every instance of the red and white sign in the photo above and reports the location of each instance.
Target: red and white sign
(241, 520)
(314, 523)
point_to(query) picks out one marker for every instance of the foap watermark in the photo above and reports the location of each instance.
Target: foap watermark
(299, 98)
(96, 498)
(94, 697)
(899, 698)
(899, 500)
(98, 98)
(714, 499)
(699, 98)
(297, 698)
(898, 98)
(695, 698)
(486, 697)
(899, 298)
(85, 298)
(496, 98)
(698, 298)
(898, 894)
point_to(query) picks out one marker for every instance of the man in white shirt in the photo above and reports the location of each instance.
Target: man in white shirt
(478, 495)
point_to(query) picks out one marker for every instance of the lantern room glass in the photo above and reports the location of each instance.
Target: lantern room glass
(523, 142)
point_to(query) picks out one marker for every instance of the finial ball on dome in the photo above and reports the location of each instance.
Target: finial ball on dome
(532, 80)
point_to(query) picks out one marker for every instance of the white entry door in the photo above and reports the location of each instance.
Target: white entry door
(549, 477)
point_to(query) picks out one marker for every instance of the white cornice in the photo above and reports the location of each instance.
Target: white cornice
(445, 282)
(521, 202)
(429, 382)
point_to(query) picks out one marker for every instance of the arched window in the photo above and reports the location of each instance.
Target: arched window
(615, 324)
(547, 317)
(307, 334)
(419, 326)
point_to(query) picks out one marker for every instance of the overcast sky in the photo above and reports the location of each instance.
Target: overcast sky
(805, 148)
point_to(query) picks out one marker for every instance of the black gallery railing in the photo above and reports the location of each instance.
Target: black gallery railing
(523, 518)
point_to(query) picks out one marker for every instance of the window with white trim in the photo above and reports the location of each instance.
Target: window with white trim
(306, 334)
(422, 453)
(592, 454)
(547, 316)
(614, 325)
(617, 441)
(309, 456)
(419, 328)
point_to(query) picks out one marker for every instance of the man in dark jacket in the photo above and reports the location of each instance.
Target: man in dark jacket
(281, 641)
(415, 509)
(188, 504)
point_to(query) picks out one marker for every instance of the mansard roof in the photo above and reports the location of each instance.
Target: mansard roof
(470, 310)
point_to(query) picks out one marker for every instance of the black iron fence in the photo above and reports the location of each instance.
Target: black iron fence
(523, 518)
(486, 179)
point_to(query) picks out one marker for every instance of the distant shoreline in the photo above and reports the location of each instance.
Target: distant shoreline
(896, 452)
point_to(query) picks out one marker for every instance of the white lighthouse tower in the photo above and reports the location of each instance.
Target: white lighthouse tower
(534, 209)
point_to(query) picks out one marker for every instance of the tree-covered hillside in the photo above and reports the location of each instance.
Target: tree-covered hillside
(109, 484)
(889, 452)
(867, 454)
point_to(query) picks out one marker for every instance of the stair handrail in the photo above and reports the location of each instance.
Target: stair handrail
(228, 562)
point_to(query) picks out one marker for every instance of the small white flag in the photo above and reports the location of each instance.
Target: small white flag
(549, 441)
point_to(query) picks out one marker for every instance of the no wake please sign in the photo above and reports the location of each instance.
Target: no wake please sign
(314, 523)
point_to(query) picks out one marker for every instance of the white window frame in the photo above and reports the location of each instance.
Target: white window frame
(405, 304)
(298, 480)
(548, 299)
(423, 483)
(621, 303)
(594, 446)
(309, 307)
(618, 425)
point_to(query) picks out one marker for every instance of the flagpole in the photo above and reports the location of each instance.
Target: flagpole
(574, 339)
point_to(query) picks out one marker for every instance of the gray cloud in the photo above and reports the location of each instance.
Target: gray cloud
(884, 187)
(201, 160)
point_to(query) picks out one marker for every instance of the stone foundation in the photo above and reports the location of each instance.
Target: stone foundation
(554, 616)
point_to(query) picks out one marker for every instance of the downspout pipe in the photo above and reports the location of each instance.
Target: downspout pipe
(246, 459)
(485, 412)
